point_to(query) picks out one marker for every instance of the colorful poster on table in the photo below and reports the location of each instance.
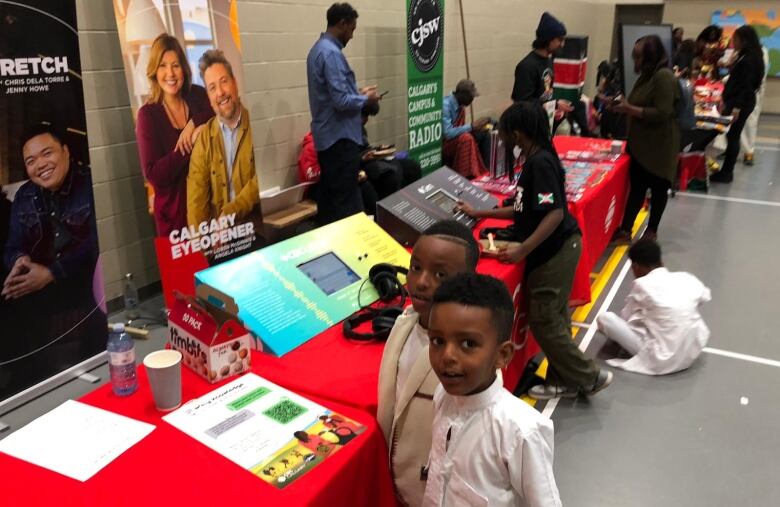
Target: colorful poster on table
(52, 312)
(425, 72)
(266, 429)
(293, 290)
(184, 74)
(766, 23)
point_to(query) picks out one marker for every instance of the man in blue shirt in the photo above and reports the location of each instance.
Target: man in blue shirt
(466, 145)
(336, 125)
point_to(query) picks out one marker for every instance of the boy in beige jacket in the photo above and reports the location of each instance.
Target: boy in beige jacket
(406, 380)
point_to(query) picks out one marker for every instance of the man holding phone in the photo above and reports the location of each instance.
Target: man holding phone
(335, 104)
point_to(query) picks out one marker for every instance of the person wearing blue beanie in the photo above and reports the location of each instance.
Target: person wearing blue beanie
(549, 30)
(534, 73)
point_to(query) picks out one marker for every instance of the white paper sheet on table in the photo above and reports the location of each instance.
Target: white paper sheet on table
(75, 440)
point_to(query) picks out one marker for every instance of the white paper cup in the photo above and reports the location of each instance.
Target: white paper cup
(163, 368)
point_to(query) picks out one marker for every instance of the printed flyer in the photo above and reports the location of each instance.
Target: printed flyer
(266, 429)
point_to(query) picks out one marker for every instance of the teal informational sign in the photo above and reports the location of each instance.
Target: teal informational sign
(425, 70)
(291, 291)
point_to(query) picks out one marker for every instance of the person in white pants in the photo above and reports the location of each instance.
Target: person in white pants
(660, 324)
(748, 137)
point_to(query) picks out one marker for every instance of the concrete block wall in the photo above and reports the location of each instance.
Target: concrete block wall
(276, 37)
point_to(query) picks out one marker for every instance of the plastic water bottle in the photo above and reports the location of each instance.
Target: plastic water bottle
(121, 361)
(131, 298)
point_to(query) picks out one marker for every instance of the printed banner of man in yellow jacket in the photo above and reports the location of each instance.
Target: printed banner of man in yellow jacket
(222, 179)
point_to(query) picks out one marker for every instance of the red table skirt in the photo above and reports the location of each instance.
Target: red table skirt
(170, 468)
(598, 212)
(332, 367)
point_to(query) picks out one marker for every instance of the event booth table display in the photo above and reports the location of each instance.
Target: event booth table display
(598, 209)
(168, 467)
(710, 124)
(580, 176)
(706, 98)
(330, 366)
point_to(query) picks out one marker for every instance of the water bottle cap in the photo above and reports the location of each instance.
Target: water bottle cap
(118, 327)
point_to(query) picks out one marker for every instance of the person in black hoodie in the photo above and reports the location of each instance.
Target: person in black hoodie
(534, 75)
(739, 96)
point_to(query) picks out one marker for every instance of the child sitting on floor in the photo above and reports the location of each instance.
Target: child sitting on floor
(661, 326)
(406, 381)
(488, 447)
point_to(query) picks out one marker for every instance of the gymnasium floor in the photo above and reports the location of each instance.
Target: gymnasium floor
(704, 437)
(707, 436)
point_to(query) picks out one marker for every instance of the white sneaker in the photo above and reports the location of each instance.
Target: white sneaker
(550, 391)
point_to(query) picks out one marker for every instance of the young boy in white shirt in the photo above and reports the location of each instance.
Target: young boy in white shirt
(488, 447)
(406, 380)
(660, 324)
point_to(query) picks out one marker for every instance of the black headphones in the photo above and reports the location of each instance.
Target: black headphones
(384, 278)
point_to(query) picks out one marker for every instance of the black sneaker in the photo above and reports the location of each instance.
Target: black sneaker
(721, 177)
(602, 382)
(621, 237)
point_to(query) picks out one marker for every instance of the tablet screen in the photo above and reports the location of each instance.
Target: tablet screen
(329, 273)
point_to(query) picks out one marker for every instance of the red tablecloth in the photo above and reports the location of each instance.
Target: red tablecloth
(170, 468)
(598, 212)
(347, 371)
(331, 367)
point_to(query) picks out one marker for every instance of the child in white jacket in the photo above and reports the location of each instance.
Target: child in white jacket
(660, 324)
(489, 448)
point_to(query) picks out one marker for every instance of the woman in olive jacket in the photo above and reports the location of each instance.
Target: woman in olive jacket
(653, 134)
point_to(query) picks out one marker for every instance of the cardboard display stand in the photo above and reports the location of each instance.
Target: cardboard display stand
(291, 291)
(53, 303)
(408, 212)
(196, 224)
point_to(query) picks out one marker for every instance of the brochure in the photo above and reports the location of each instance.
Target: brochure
(266, 429)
